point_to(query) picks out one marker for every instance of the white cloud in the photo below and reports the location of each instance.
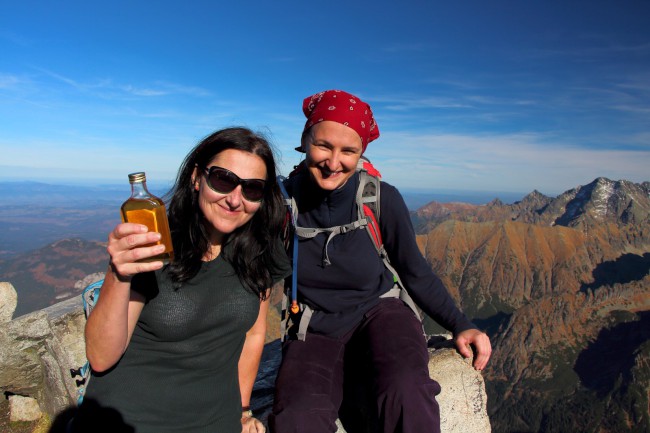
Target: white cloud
(518, 163)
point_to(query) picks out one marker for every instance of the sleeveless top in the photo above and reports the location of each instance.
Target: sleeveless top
(179, 372)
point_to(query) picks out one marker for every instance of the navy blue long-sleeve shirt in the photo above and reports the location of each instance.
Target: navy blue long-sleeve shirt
(342, 292)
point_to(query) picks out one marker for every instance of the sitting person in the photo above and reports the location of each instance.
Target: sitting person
(345, 284)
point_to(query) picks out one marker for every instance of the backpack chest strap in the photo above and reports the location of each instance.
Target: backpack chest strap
(309, 233)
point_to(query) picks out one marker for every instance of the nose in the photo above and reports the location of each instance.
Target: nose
(235, 197)
(334, 161)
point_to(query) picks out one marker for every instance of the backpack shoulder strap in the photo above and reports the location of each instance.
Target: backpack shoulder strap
(89, 297)
(368, 203)
(368, 200)
(290, 241)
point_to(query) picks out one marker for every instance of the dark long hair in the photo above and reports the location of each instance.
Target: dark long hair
(250, 248)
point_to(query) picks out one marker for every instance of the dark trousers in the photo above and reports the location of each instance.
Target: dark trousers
(387, 353)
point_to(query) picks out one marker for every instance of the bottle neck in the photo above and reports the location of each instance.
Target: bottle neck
(139, 190)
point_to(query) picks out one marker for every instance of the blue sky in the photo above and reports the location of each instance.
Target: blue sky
(482, 96)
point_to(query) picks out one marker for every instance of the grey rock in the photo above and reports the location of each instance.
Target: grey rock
(38, 349)
(8, 302)
(463, 400)
(88, 280)
(23, 409)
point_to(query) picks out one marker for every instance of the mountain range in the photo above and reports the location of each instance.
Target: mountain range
(561, 285)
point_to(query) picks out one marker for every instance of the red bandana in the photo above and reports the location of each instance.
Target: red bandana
(344, 108)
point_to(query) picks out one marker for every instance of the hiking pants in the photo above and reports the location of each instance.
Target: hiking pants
(388, 349)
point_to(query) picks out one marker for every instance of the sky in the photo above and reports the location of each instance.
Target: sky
(509, 96)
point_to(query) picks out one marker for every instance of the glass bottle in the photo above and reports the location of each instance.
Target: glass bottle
(147, 209)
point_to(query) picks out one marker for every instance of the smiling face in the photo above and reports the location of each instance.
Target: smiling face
(333, 151)
(225, 213)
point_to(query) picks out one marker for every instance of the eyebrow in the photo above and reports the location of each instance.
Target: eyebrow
(321, 142)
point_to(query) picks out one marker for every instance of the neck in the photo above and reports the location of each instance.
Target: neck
(214, 247)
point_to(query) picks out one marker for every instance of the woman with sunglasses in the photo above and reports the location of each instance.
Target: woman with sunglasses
(344, 282)
(176, 348)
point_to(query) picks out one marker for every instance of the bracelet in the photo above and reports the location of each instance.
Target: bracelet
(246, 412)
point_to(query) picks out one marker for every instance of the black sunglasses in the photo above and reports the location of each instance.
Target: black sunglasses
(224, 181)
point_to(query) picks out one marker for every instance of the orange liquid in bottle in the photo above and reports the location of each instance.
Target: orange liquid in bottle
(150, 212)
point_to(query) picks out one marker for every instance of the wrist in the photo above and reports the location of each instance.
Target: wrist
(116, 274)
(246, 412)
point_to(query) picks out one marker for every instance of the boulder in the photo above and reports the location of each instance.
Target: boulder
(8, 302)
(37, 351)
(462, 400)
(23, 409)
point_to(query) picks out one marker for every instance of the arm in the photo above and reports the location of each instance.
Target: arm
(426, 288)
(112, 321)
(249, 362)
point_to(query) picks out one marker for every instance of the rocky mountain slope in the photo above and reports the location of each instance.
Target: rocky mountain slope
(562, 285)
(53, 273)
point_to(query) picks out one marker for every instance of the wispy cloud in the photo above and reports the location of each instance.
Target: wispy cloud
(406, 103)
(107, 88)
(9, 81)
(518, 163)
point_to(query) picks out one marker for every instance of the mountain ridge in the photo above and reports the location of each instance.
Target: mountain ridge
(561, 284)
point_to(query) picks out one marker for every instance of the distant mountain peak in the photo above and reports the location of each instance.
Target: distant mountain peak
(603, 199)
(620, 202)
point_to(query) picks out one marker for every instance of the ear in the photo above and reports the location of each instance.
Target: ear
(194, 178)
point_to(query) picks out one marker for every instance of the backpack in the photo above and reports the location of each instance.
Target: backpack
(89, 298)
(368, 214)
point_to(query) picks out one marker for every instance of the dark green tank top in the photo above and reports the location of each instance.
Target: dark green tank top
(179, 373)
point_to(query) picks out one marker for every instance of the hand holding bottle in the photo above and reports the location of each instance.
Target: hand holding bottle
(147, 209)
(131, 247)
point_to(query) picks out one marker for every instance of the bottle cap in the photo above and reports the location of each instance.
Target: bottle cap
(137, 177)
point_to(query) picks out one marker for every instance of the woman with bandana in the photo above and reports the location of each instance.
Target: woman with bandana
(345, 284)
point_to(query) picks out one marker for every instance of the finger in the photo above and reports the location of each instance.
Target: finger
(122, 240)
(143, 253)
(259, 427)
(484, 351)
(125, 229)
(140, 239)
(126, 250)
(463, 348)
(131, 262)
